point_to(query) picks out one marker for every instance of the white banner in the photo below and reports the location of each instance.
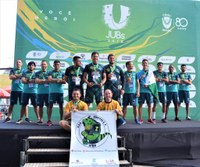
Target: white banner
(93, 139)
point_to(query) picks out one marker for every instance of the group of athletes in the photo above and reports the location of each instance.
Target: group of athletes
(45, 87)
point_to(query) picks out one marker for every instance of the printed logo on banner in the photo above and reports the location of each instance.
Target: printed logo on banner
(150, 58)
(59, 55)
(114, 35)
(84, 56)
(186, 60)
(167, 59)
(125, 58)
(92, 131)
(181, 23)
(166, 21)
(33, 54)
(103, 57)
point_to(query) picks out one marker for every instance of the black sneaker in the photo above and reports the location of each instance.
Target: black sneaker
(19, 121)
(177, 119)
(188, 118)
(7, 120)
(27, 120)
(164, 120)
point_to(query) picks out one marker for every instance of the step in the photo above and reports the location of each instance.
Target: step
(37, 151)
(32, 138)
(61, 164)
(57, 150)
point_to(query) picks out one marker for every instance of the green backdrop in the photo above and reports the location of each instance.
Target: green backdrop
(159, 30)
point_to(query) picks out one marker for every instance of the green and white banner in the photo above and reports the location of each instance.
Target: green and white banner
(94, 135)
(157, 30)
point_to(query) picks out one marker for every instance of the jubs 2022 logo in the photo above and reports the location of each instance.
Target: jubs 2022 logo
(92, 131)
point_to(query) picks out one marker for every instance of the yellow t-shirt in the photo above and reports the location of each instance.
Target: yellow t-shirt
(81, 106)
(113, 105)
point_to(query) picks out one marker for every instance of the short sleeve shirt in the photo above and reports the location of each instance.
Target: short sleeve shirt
(42, 88)
(29, 87)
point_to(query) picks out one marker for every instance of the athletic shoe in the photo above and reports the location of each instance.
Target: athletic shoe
(27, 120)
(177, 119)
(154, 120)
(137, 122)
(141, 121)
(164, 120)
(39, 121)
(19, 121)
(7, 120)
(49, 123)
(188, 118)
(151, 121)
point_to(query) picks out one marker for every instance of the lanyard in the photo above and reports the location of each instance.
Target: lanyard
(32, 73)
(77, 71)
(95, 66)
(76, 102)
(19, 71)
(130, 74)
(112, 68)
(44, 74)
(183, 76)
(171, 75)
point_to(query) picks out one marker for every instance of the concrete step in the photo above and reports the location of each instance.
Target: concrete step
(32, 151)
(61, 164)
(32, 138)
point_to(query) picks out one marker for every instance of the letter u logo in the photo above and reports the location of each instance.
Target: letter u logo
(109, 20)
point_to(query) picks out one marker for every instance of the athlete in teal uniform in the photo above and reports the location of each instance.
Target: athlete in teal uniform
(184, 89)
(29, 91)
(172, 91)
(145, 93)
(161, 79)
(95, 79)
(56, 80)
(43, 88)
(16, 88)
(131, 91)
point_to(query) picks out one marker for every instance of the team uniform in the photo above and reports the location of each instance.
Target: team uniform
(114, 83)
(75, 80)
(80, 106)
(129, 96)
(184, 89)
(43, 89)
(29, 89)
(111, 106)
(160, 86)
(95, 73)
(145, 93)
(16, 88)
(56, 89)
(172, 89)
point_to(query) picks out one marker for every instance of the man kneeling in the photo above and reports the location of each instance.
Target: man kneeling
(73, 106)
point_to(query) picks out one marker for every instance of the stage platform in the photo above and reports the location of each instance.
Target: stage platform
(164, 144)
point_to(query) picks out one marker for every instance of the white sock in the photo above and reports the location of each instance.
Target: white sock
(154, 115)
(163, 115)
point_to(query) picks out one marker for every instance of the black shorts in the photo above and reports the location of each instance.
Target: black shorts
(56, 98)
(161, 97)
(42, 99)
(130, 99)
(15, 96)
(27, 96)
(93, 92)
(148, 97)
(184, 96)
